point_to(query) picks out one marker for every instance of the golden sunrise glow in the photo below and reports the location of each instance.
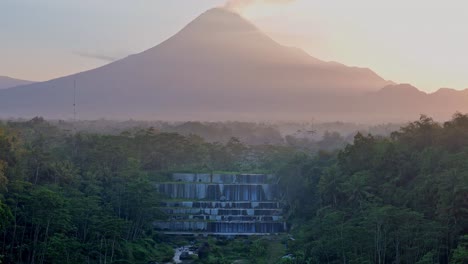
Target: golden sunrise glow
(417, 42)
(261, 10)
(422, 42)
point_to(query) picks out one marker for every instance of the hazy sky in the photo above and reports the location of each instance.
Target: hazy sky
(423, 42)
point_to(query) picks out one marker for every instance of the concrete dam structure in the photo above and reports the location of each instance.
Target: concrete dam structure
(221, 204)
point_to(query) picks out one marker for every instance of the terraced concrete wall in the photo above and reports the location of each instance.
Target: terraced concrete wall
(244, 204)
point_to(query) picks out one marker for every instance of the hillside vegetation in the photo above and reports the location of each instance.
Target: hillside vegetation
(70, 197)
(402, 199)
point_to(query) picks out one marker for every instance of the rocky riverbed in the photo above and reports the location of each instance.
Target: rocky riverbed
(184, 254)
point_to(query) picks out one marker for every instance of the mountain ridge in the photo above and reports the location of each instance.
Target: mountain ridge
(218, 67)
(8, 82)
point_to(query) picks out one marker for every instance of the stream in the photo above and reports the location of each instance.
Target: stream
(180, 251)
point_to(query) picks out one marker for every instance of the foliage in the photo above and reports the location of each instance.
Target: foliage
(251, 250)
(402, 199)
(70, 197)
(89, 198)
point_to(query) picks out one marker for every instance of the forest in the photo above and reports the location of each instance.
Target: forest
(69, 196)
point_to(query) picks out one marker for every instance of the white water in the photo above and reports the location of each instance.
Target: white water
(179, 251)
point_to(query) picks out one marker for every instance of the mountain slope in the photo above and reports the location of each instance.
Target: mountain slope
(404, 102)
(220, 66)
(7, 82)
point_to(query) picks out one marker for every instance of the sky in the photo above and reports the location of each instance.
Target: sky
(422, 42)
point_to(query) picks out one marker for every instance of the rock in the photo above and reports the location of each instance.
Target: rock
(185, 256)
(193, 248)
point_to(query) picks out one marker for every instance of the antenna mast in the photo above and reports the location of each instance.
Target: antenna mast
(74, 101)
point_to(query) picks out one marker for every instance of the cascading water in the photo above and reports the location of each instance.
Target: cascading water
(221, 204)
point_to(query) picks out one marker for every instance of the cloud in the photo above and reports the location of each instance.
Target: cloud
(239, 5)
(97, 56)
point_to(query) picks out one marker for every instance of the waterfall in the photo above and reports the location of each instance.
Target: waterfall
(228, 204)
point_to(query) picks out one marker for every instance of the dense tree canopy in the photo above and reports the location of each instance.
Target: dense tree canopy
(90, 198)
(68, 197)
(402, 199)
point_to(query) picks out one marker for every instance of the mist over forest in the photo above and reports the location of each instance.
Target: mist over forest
(88, 195)
(312, 135)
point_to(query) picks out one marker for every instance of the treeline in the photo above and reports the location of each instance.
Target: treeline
(397, 199)
(309, 137)
(84, 197)
(250, 133)
(90, 198)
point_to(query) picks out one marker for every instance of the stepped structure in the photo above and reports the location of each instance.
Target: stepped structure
(221, 204)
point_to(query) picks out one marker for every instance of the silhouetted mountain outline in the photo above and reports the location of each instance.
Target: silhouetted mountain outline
(8, 82)
(220, 66)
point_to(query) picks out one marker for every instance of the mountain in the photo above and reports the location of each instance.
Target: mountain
(220, 66)
(405, 102)
(7, 82)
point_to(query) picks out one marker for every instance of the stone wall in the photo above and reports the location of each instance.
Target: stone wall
(221, 204)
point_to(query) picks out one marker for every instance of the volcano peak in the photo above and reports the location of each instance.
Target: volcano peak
(220, 20)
